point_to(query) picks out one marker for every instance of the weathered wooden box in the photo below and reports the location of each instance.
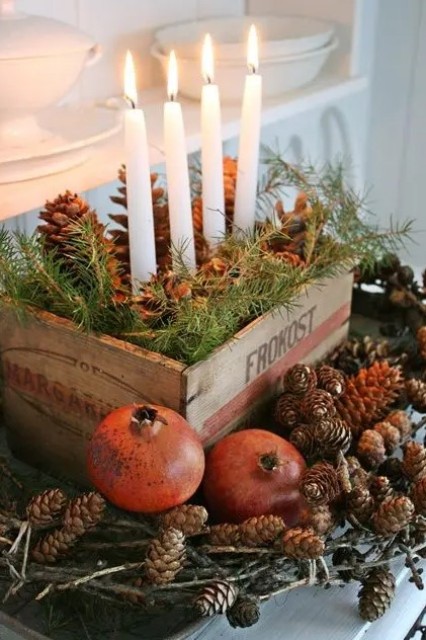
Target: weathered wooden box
(58, 382)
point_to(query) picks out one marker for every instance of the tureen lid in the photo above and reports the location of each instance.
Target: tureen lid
(25, 36)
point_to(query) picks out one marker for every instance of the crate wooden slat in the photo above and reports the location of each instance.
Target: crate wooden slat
(59, 383)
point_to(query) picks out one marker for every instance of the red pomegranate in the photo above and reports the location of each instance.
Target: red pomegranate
(145, 458)
(252, 473)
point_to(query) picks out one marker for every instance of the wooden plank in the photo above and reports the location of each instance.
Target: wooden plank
(59, 383)
(223, 389)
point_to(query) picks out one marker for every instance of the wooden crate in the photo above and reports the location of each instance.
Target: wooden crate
(58, 382)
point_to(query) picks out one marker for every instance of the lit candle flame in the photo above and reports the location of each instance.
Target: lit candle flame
(252, 50)
(130, 90)
(208, 62)
(172, 78)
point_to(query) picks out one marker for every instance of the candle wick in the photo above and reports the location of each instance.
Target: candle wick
(130, 102)
(252, 68)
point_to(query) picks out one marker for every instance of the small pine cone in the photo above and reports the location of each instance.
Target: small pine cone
(54, 546)
(303, 438)
(188, 518)
(320, 484)
(46, 507)
(393, 515)
(302, 544)
(287, 411)
(261, 530)
(322, 520)
(332, 435)
(359, 505)
(357, 474)
(318, 405)
(381, 488)
(390, 435)
(416, 394)
(223, 535)
(300, 379)
(217, 597)
(331, 380)
(244, 613)
(414, 461)
(418, 496)
(376, 594)
(350, 558)
(165, 556)
(421, 341)
(371, 448)
(84, 512)
(401, 421)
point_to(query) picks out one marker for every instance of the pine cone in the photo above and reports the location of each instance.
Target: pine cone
(303, 438)
(418, 496)
(352, 559)
(381, 488)
(416, 394)
(244, 613)
(321, 519)
(414, 461)
(318, 405)
(84, 512)
(230, 168)
(261, 530)
(320, 484)
(359, 353)
(302, 544)
(371, 449)
(287, 411)
(368, 395)
(332, 435)
(360, 505)
(54, 545)
(223, 535)
(188, 518)
(376, 594)
(401, 421)
(421, 341)
(217, 597)
(331, 380)
(390, 435)
(46, 507)
(300, 379)
(392, 515)
(358, 475)
(165, 556)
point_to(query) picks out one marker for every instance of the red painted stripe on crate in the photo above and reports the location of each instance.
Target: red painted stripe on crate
(218, 421)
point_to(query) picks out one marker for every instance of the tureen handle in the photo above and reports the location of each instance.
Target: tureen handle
(94, 54)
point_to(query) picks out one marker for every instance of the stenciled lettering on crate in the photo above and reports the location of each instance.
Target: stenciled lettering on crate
(59, 383)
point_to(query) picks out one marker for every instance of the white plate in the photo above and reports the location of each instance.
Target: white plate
(71, 133)
(278, 36)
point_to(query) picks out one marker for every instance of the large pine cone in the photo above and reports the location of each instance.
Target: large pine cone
(46, 507)
(318, 405)
(216, 597)
(359, 505)
(261, 530)
(392, 515)
(371, 449)
(84, 512)
(358, 353)
(421, 341)
(376, 594)
(287, 411)
(418, 496)
(54, 545)
(321, 519)
(302, 543)
(390, 435)
(332, 435)
(165, 556)
(401, 421)
(244, 613)
(303, 438)
(230, 169)
(414, 461)
(223, 535)
(188, 518)
(381, 488)
(300, 379)
(416, 394)
(331, 380)
(369, 395)
(320, 484)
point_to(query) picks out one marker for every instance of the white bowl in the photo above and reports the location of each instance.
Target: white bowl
(278, 36)
(279, 75)
(40, 60)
